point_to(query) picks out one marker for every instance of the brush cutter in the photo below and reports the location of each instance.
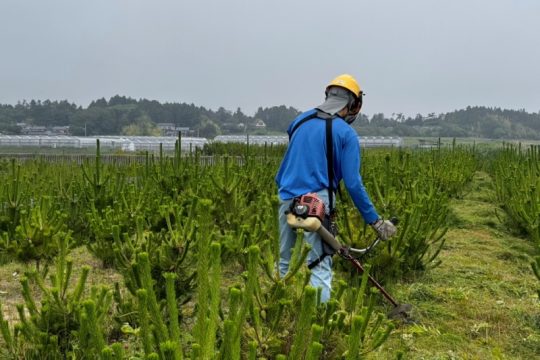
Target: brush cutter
(307, 212)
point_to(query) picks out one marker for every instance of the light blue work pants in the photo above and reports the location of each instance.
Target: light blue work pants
(321, 275)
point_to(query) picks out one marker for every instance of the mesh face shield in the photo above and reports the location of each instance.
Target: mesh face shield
(354, 108)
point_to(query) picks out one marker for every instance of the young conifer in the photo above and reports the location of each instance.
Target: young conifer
(303, 324)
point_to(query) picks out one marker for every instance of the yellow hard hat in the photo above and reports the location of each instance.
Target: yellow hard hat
(348, 82)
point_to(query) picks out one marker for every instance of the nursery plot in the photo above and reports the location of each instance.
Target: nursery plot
(193, 247)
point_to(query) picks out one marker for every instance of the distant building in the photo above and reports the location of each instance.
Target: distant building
(60, 130)
(368, 141)
(125, 143)
(170, 129)
(380, 141)
(34, 130)
(260, 124)
(43, 130)
(253, 139)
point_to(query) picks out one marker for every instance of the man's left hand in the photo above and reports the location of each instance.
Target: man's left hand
(384, 228)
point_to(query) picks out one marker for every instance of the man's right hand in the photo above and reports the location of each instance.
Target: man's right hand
(384, 228)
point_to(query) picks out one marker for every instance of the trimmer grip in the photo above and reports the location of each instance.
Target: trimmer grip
(313, 224)
(329, 238)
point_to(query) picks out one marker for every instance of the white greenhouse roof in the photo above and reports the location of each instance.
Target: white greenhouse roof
(127, 143)
(380, 141)
(152, 143)
(366, 141)
(253, 139)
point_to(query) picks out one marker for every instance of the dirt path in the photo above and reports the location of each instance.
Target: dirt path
(481, 303)
(10, 286)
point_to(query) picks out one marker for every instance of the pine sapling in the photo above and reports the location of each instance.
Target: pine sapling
(355, 341)
(144, 323)
(172, 307)
(303, 324)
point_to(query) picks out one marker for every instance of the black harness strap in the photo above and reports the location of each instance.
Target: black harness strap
(330, 163)
(317, 261)
(297, 125)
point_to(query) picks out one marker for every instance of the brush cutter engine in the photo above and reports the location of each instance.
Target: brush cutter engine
(308, 205)
(308, 212)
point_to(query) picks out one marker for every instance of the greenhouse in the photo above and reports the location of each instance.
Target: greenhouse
(152, 143)
(367, 141)
(380, 141)
(124, 143)
(253, 139)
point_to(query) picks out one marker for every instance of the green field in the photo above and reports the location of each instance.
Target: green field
(175, 258)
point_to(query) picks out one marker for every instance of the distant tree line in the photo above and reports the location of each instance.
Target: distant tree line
(122, 115)
(477, 121)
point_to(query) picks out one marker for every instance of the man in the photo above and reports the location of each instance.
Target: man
(308, 165)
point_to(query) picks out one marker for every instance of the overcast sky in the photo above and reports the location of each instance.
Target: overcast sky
(416, 56)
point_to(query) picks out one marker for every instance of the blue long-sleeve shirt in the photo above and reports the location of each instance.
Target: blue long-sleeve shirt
(304, 168)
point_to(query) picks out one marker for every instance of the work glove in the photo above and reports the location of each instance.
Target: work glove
(384, 228)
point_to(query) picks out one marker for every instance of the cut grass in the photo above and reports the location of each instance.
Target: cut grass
(481, 302)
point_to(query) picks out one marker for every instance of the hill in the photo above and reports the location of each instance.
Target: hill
(122, 115)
